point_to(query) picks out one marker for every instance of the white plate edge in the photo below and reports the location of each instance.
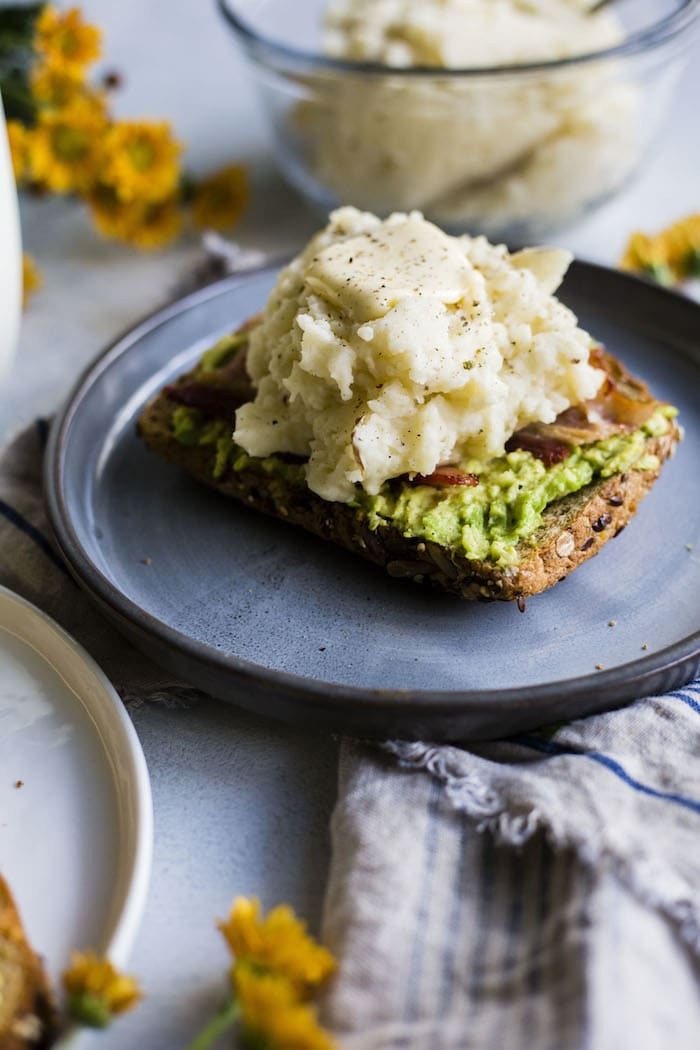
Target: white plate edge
(69, 659)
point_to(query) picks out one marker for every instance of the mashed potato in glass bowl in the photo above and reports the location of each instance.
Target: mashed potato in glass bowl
(507, 117)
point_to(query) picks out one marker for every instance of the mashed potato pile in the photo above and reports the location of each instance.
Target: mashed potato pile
(389, 348)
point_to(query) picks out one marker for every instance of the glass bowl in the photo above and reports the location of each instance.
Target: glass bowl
(515, 152)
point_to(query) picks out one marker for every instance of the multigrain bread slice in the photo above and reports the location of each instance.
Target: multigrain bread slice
(574, 527)
(27, 1013)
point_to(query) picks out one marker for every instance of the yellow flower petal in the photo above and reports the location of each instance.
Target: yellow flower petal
(219, 200)
(641, 251)
(142, 160)
(112, 216)
(142, 224)
(66, 147)
(158, 223)
(59, 89)
(682, 241)
(65, 41)
(277, 943)
(31, 278)
(96, 990)
(669, 256)
(272, 1015)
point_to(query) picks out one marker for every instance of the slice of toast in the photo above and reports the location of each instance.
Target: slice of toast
(27, 1013)
(574, 527)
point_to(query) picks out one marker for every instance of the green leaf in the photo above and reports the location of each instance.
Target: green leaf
(89, 1010)
(219, 1024)
(17, 55)
(17, 98)
(18, 20)
(661, 273)
(692, 264)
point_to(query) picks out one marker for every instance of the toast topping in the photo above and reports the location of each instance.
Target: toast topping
(445, 476)
(365, 276)
(621, 406)
(218, 402)
(390, 348)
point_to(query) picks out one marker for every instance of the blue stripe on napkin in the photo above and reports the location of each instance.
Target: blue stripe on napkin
(26, 527)
(548, 747)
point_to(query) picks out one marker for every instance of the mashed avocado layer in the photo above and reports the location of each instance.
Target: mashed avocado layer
(487, 521)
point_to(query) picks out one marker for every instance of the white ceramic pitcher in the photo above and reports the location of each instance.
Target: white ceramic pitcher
(10, 255)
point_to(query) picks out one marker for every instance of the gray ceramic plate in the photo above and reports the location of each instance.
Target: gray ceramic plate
(260, 613)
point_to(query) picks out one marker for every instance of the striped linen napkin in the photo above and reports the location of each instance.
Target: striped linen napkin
(539, 893)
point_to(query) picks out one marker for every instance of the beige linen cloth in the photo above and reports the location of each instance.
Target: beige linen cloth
(540, 892)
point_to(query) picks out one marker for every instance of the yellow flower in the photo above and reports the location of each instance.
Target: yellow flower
(145, 225)
(141, 160)
(18, 137)
(112, 216)
(97, 991)
(669, 256)
(66, 146)
(219, 200)
(277, 943)
(56, 88)
(65, 41)
(650, 255)
(683, 245)
(157, 223)
(643, 250)
(272, 1017)
(31, 278)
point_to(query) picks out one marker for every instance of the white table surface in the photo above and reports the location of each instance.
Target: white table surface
(241, 805)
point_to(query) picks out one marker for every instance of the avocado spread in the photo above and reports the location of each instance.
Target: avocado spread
(487, 521)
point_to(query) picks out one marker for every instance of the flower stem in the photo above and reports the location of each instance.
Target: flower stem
(216, 1027)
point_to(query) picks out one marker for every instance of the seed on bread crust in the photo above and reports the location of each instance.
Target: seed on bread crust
(565, 545)
(602, 522)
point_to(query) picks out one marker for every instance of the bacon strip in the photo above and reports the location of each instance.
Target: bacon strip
(530, 439)
(236, 370)
(623, 399)
(443, 476)
(622, 404)
(216, 401)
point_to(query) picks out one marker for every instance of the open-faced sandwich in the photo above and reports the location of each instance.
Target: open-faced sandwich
(427, 402)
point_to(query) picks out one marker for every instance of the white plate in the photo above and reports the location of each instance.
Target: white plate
(76, 837)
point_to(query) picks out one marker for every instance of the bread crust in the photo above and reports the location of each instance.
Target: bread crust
(574, 527)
